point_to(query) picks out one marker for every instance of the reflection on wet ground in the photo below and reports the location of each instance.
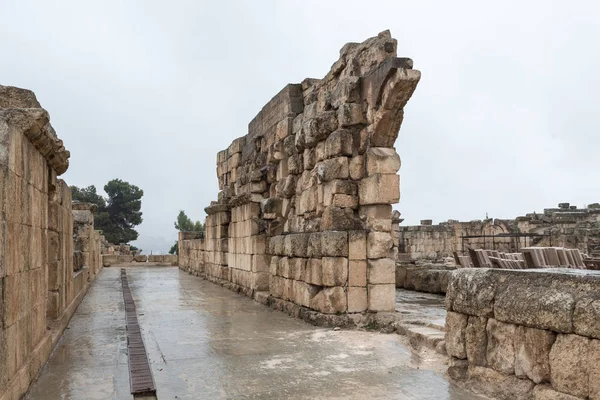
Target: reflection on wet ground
(206, 342)
(421, 308)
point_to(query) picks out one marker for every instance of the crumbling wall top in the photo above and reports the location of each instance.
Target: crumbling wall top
(20, 110)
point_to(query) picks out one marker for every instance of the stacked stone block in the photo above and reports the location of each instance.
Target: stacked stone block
(216, 243)
(38, 287)
(523, 334)
(307, 193)
(23, 237)
(60, 248)
(191, 254)
(247, 257)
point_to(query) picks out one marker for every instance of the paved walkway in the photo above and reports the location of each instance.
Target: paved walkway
(206, 342)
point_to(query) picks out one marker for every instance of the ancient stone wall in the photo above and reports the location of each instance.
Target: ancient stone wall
(38, 287)
(109, 260)
(434, 242)
(87, 240)
(304, 215)
(525, 334)
(565, 226)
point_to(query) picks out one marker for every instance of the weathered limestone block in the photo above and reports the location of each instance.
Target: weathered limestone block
(476, 341)
(274, 265)
(586, 318)
(497, 385)
(296, 245)
(357, 245)
(289, 145)
(500, 353)
(314, 272)
(456, 325)
(357, 299)
(344, 201)
(532, 353)
(382, 160)
(379, 189)
(283, 269)
(303, 293)
(14, 97)
(309, 158)
(351, 114)
(314, 245)
(334, 244)
(545, 392)
(569, 365)
(399, 87)
(339, 219)
(318, 128)
(594, 369)
(330, 300)
(540, 307)
(357, 273)
(335, 271)
(381, 270)
(307, 201)
(328, 190)
(277, 245)
(379, 244)
(382, 297)
(357, 167)
(339, 143)
(347, 90)
(471, 291)
(334, 168)
(377, 217)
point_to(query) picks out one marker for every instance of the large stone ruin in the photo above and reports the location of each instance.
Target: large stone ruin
(303, 219)
(564, 226)
(39, 286)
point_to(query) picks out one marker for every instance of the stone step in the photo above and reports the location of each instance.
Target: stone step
(422, 336)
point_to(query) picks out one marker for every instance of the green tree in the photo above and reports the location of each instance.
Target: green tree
(119, 214)
(88, 195)
(185, 224)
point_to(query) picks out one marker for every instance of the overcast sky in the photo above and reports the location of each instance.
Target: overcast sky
(505, 119)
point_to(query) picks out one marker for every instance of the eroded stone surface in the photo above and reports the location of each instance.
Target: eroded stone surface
(532, 353)
(456, 325)
(569, 365)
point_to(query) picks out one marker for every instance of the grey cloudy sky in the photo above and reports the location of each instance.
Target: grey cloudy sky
(504, 120)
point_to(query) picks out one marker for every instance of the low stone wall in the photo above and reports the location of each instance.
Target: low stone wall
(520, 334)
(423, 278)
(113, 259)
(163, 258)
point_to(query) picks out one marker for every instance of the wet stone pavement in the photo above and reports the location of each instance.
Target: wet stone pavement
(206, 342)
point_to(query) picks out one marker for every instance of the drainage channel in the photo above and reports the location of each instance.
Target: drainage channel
(140, 374)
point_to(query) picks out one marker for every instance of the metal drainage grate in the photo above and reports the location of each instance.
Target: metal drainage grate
(140, 374)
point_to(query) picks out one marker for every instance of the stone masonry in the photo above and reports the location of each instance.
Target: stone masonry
(39, 289)
(525, 334)
(304, 212)
(564, 226)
